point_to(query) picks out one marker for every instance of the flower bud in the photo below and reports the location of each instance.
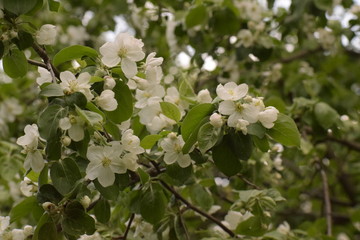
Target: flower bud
(66, 141)
(109, 83)
(204, 96)
(216, 120)
(85, 201)
(49, 207)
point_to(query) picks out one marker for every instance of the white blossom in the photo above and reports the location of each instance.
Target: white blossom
(27, 187)
(233, 218)
(150, 95)
(172, 146)
(4, 223)
(107, 100)
(173, 96)
(104, 162)
(9, 109)
(236, 111)
(246, 38)
(95, 236)
(70, 84)
(131, 142)
(31, 138)
(232, 91)
(46, 34)
(268, 117)
(154, 119)
(126, 50)
(45, 76)
(75, 127)
(18, 234)
(283, 228)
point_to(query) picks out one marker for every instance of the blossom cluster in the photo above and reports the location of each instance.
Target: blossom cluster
(241, 109)
(14, 234)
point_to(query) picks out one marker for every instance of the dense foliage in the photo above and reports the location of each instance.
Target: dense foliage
(179, 119)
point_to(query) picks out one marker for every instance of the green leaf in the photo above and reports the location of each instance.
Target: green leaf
(196, 16)
(52, 90)
(43, 177)
(45, 218)
(325, 115)
(15, 63)
(201, 197)
(64, 174)
(171, 111)
(73, 52)
(153, 198)
(225, 158)
(49, 120)
(285, 131)
(54, 5)
(178, 174)
(125, 100)
(186, 91)
(102, 210)
(208, 136)
(252, 227)
(149, 141)
(256, 129)
(48, 231)
(24, 40)
(110, 193)
(76, 98)
(194, 117)
(48, 193)
(113, 129)
(76, 221)
(2, 49)
(261, 143)
(241, 145)
(194, 136)
(19, 6)
(23, 208)
(144, 176)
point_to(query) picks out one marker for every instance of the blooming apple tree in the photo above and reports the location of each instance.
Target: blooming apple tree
(114, 138)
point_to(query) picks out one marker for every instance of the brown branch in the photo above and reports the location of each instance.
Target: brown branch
(248, 182)
(299, 55)
(36, 63)
(49, 66)
(127, 229)
(327, 202)
(352, 145)
(194, 208)
(183, 224)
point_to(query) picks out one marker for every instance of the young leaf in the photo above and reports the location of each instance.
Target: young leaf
(201, 197)
(170, 110)
(15, 63)
(285, 131)
(52, 90)
(73, 52)
(149, 141)
(208, 136)
(194, 117)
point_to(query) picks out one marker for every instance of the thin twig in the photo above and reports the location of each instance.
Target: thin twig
(42, 53)
(248, 182)
(299, 55)
(352, 145)
(127, 229)
(327, 202)
(36, 63)
(194, 208)
(183, 224)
